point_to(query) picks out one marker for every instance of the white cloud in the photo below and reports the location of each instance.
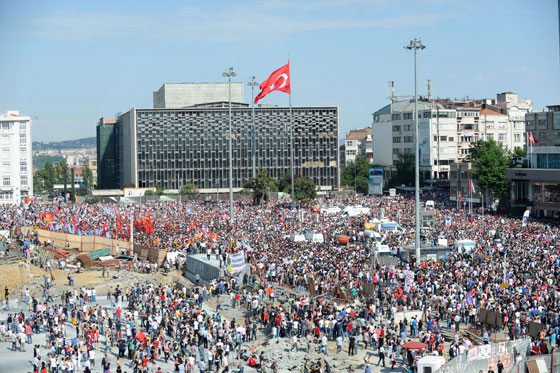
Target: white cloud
(266, 21)
(517, 70)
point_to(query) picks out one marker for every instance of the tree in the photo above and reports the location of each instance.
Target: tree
(159, 190)
(284, 182)
(357, 174)
(405, 170)
(45, 178)
(87, 175)
(61, 172)
(518, 157)
(260, 185)
(304, 189)
(490, 160)
(189, 189)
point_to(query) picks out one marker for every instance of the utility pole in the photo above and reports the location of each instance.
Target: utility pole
(230, 74)
(253, 84)
(415, 45)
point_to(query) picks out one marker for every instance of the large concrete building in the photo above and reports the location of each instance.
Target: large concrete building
(175, 147)
(16, 158)
(545, 125)
(181, 95)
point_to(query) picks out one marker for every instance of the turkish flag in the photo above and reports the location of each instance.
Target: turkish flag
(279, 80)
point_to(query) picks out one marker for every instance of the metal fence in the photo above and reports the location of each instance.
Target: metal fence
(486, 357)
(544, 363)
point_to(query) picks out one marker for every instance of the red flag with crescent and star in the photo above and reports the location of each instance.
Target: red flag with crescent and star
(279, 80)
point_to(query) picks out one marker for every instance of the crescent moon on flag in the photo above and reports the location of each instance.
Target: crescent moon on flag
(285, 76)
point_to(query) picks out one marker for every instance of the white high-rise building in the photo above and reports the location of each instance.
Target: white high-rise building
(16, 178)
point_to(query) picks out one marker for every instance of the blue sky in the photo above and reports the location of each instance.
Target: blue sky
(71, 62)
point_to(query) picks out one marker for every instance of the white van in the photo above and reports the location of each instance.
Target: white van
(430, 364)
(374, 236)
(297, 237)
(314, 237)
(391, 226)
(330, 210)
(357, 210)
(465, 246)
(430, 204)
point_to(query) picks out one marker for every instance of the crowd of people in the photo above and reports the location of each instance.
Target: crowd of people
(512, 270)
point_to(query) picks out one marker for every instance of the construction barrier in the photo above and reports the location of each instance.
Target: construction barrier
(88, 244)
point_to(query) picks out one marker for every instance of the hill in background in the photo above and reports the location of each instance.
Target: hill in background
(88, 142)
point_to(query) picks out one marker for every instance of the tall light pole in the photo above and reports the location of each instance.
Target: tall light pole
(229, 74)
(253, 84)
(415, 45)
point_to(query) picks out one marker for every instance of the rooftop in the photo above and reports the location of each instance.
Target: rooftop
(359, 134)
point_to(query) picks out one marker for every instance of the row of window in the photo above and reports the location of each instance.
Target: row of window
(22, 167)
(427, 114)
(7, 181)
(8, 126)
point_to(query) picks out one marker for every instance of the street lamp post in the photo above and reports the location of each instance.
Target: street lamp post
(253, 84)
(415, 45)
(229, 74)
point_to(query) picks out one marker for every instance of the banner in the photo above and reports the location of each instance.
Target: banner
(237, 262)
(408, 280)
(526, 217)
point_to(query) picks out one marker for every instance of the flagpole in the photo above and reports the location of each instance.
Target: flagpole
(470, 196)
(531, 156)
(291, 147)
(131, 232)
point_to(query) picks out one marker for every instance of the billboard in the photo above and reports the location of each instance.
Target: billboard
(375, 186)
(424, 142)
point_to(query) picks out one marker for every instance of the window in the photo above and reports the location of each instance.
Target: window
(435, 138)
(396, 117)
(6, 126)
(396, 140)
(502, 137)
(5, 153)
(443, 138)
(23, 167)
(407, 116)
(427, 114)
(396, 128)
(447, 114)
(450, 138)
(408, 139)
(517, 137)
(542, 122)
(543, 135)
(6, 195)
(23, 180)
(556, 123)
(22, 139)
(6, 181)
(530, 123)
(5, 167)
(490, 136)
(407, 127)
(22, 153)
(396, 151)
(22, 126)
(5, 140)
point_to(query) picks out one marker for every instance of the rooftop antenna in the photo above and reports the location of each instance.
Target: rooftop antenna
(429, 90)
(391, 94)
